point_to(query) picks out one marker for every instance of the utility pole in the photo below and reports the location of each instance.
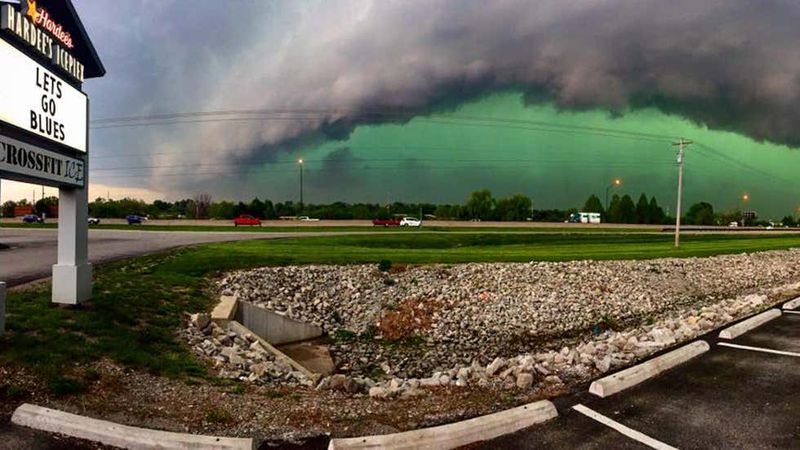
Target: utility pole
(681, 144)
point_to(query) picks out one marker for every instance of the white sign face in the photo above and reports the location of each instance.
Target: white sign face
(24, 162)
(34, 99)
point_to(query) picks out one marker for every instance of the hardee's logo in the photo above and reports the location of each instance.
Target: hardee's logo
(41, 18)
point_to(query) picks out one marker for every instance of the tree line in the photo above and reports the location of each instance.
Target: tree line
(480, 205)
(621, 209)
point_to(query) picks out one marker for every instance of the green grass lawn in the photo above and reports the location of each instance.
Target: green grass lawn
(138, 304)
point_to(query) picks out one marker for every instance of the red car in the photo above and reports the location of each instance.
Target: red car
(246, 219)
(386, 222)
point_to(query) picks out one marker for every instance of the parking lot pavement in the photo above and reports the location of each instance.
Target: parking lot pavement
(726, 398)
(782, 333)
(570, 430)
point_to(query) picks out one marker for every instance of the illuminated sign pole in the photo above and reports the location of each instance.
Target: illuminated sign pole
(44, 119)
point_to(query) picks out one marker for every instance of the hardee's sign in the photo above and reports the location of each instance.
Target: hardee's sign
(41, 17)
(41, 38)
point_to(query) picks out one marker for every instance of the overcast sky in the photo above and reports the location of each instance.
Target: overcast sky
(370, 91)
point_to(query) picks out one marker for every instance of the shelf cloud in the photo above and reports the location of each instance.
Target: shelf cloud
(315, 70)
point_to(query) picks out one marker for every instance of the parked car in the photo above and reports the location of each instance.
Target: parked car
(32, 218)
(386, 222)
(94, 221)
(307, 219)
(733, 225)
(410, 222)
(246, 219)
(135, 219)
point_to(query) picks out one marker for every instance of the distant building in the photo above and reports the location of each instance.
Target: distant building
(51, 211)
(20, 211)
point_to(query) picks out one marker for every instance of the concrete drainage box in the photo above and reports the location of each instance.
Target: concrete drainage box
(273, 327)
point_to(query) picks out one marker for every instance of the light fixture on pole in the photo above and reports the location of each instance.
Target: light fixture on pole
(615, 183)
(681, 144)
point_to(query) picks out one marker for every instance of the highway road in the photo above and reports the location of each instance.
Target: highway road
(33, 251)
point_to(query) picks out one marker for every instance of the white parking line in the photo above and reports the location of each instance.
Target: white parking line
(759, 349)
(631, 433)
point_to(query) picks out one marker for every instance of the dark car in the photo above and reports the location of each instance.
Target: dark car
(32, 218)
(135, 219)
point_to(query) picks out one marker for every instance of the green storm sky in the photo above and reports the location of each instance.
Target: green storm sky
(442, 160)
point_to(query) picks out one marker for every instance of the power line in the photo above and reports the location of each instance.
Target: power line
(324, 115)
(596, 164)
(361, 161)
(360, 147)
(721, 156)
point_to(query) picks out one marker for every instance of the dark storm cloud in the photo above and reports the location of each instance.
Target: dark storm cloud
(338, 169)
(731, 64)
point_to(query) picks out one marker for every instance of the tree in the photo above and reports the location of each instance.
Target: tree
(202, 205)
(593, 204)
(517, 207)
(655, 212)
(269, 210)
(627, 210)
(480, 205)
(789, 221)
(43, 205)
(8, 209)
(701, 213)
(613, 214)
(643, 210)
(222, 210)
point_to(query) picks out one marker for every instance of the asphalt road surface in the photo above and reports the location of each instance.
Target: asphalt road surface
(34, 251)
(726, 398)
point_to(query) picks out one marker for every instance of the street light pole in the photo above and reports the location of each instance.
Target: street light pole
(680, 144)
(745, 198)
(614, 183)
(300, 163)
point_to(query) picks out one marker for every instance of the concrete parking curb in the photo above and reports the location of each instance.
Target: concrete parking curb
(123, 436)
(746, 325)
(456, 434)
(634, 375)
(792, 304)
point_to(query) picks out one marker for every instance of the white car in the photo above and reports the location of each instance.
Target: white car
(307, 219)
(410, 222)
(94, 221)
